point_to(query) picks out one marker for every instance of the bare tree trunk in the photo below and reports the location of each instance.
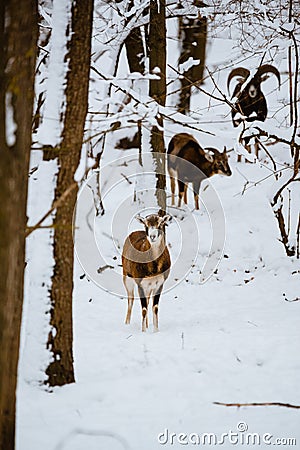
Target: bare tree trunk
(288, 238)
(61, 371)
(157, 53)
(290, 70)
(135, 51)
(18, 37)
(191, 31)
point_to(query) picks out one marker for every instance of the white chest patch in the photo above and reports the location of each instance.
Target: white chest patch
(150, 285)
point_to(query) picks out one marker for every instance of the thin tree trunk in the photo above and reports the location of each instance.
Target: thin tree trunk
(135, 51)
(18, 37)
(200, 50)
(157, 55)
(61, 371)
(290, 71)
(191, 31)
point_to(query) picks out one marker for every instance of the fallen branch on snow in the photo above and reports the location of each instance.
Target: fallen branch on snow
(239, 405)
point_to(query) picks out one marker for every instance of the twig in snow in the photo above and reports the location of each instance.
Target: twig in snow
(101, 269)
(34, 169)
(126, 178)
(297, 299)
(112, 238)
(239, 405)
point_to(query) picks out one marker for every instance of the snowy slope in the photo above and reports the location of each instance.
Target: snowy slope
(234, 338)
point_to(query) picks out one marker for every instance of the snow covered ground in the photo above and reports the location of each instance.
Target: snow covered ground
(233, 339)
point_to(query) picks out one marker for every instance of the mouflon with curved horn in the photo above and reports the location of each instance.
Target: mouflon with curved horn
(250, 101)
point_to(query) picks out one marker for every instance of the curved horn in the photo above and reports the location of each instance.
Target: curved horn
(140, 219)
(265, 68)
(238, 72)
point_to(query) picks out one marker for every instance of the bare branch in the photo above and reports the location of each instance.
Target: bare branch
(278, 193)
(276, 138)
(269, 155)
(295, 86)
(298, 238)
(128, 93)
(290, 251)
(225, 99)
(55, 205)
(126, 178)
(185, 125)
(125, 91)
(220, 99)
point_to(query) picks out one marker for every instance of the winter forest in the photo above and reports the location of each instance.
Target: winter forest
(150, 224)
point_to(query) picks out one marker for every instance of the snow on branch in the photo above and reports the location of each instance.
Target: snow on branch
(144, 108)
(50, 130)
(184, 67)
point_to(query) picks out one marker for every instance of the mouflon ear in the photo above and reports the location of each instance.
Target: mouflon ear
(224, 151)
(209, 157)
(165, 219)
(140, 219)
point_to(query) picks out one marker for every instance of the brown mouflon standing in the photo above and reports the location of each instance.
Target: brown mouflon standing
(146, 263)
(188, 162)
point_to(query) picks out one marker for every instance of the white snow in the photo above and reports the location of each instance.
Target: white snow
(10, 124)
(156, 71)
(184, 67)
(288, 27)
(49, 133)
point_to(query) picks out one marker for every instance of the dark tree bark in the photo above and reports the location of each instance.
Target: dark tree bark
(135, 51)
(157, 58)
(18, 37)
(191, 31)
(134, 45)
(157, 49)
(61, 371)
